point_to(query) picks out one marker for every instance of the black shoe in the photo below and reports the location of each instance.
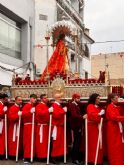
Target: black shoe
(53, 161)
(76, 162)
(82, 163)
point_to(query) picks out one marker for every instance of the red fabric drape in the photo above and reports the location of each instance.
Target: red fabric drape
(58, 61)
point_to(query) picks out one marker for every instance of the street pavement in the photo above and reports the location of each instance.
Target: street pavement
(12, 162)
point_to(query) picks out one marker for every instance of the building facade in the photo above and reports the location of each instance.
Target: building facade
(16, 37)
(112, 63)
(23, 28)
(56, 15)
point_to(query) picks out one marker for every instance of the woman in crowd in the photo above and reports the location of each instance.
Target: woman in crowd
(94, 113)
(115, 137)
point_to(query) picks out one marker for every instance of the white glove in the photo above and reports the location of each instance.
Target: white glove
(5, 108)
(65, 109)
(19, 113)
(32, 110)
(102, 112)
(85, 116)
(50, 109)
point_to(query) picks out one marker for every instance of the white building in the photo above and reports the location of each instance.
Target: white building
(56, 13)
(23, 26)
(16, 36)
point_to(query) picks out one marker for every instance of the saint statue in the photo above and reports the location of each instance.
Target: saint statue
(58, 62)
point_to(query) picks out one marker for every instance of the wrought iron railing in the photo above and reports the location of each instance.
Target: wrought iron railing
(71, 12)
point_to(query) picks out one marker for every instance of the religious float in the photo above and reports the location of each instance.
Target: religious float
(57, 76)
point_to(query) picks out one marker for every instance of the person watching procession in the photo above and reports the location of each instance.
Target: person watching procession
(42, 118)
(28, 112)
(95, 114)
(115, 134)
(58, 149)
(3, 111)
(76, 122)
(13, 115)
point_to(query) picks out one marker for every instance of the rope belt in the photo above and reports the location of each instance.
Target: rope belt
(41, 131)
(15, 131)
(1, 126)
(27, 123)
(54, 132)
(121, 130)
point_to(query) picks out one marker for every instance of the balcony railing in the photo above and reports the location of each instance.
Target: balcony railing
(71, 12)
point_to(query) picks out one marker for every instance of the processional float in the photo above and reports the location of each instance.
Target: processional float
(58, 77)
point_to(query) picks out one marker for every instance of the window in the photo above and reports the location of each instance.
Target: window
(10, 37)
(86, 51)
(86, 75)
(72, 57)
(72, 62)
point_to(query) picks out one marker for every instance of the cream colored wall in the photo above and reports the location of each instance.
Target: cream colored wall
(115, 63)
(48, 8)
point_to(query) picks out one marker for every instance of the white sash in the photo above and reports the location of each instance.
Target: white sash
(121, 130)
(15, 131)
(1, 126)
(54, 133)
(120, 127)
(41, 133)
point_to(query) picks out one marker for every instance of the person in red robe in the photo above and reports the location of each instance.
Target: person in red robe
(76, 124)
(27, 114)
(58, 127)
(94, 113)
(42, 118)
(115, 138)
(3, 110)
(13, 116)
(58, 62)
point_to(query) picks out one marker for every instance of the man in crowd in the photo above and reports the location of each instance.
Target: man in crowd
(3, 110)
(58, 127)
(28, 112)
(76, 122)
(13, 116)
(42, 118)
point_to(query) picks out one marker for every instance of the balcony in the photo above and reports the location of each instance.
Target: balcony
(71, 12)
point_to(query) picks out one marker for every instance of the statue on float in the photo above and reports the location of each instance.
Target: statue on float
(101, 77)
(58, 62)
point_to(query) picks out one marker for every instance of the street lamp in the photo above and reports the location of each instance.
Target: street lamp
(75, 34)
(47, 37)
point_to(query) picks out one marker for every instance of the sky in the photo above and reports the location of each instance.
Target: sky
(105, 19)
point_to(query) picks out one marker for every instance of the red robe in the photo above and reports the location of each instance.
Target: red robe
(2, 134)
(58, 61)
(58, 124)
(42, 130)
(93, 123)
(13, 129)
(27, 130)
(114, 135)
